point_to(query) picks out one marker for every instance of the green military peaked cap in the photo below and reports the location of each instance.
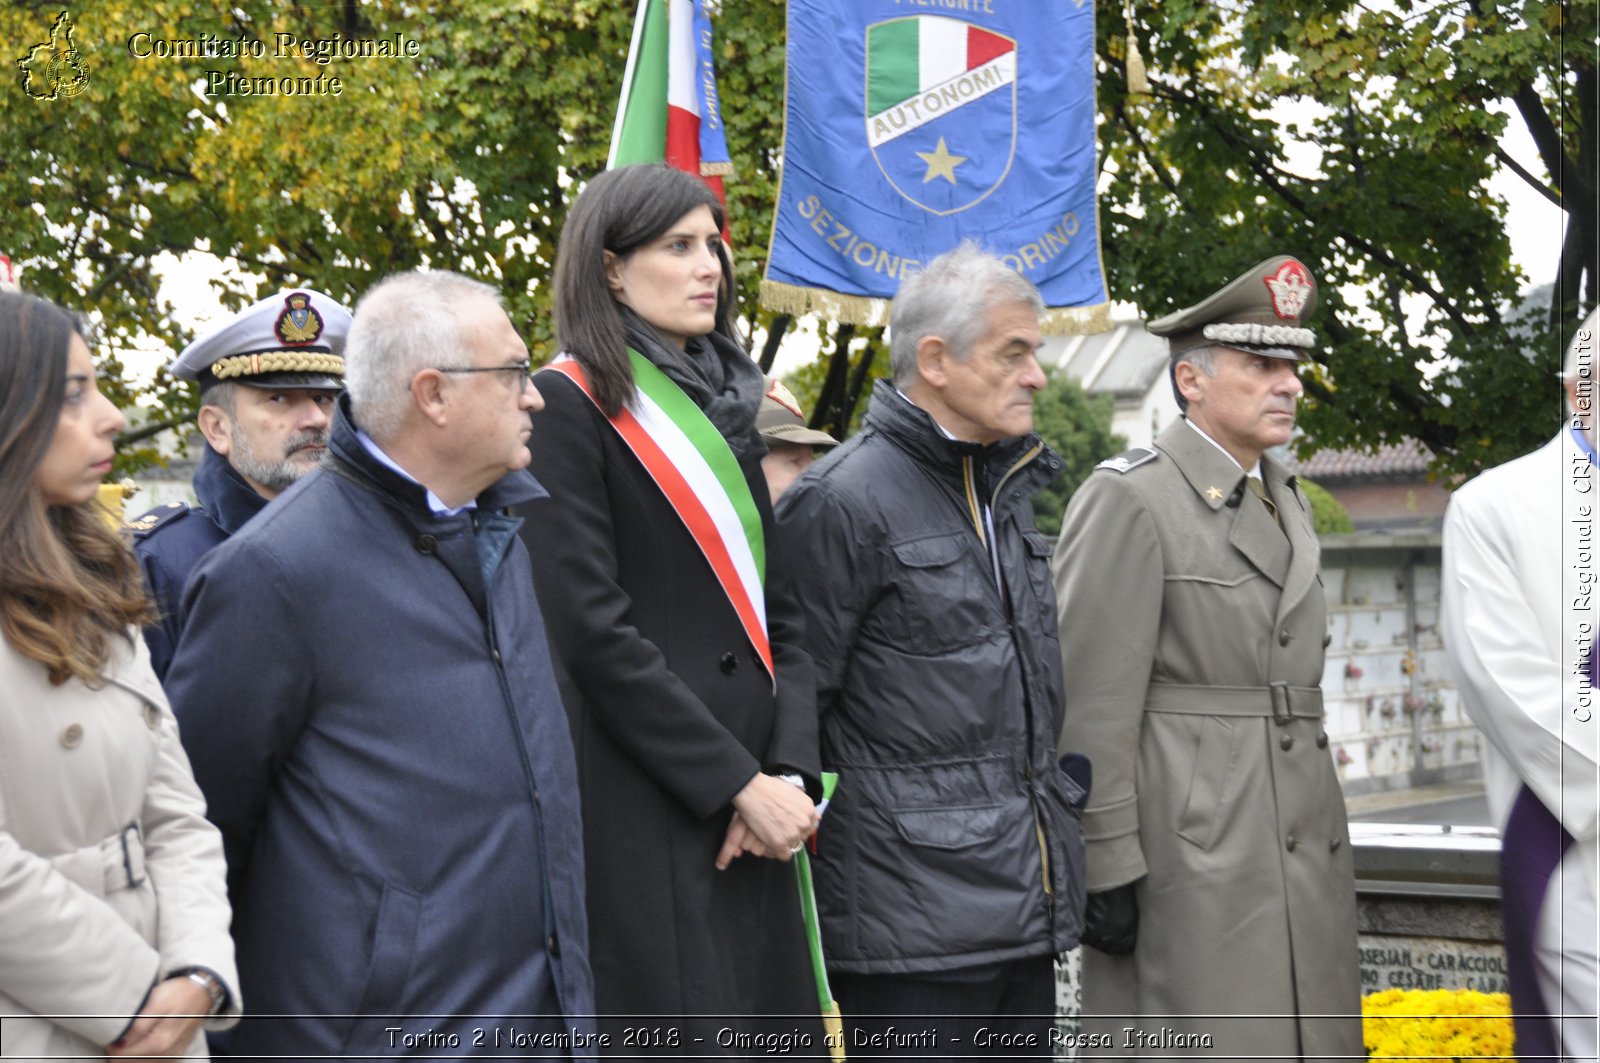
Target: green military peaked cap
(1259, 311)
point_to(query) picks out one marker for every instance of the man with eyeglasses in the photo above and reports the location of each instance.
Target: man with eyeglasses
(366, 694)
(267, 379)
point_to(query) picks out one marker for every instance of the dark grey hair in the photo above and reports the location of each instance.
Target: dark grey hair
(224, 395)
(1203, 359)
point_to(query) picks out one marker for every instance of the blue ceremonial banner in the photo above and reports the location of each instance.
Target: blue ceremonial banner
(714, 157)
(912, 125)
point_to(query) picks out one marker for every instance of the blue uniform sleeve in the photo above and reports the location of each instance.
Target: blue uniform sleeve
(239, 686)
(162, 635)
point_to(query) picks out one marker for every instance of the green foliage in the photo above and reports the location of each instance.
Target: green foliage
(1361, 138)
(836, 406)
(468, 156)
(806, 384)
(456, 159)
(1328, 516)
(1077, 426)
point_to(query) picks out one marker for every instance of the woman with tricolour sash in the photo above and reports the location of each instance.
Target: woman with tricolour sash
(691, 703)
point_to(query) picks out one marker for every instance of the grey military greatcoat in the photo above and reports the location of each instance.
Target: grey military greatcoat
(1193, 632)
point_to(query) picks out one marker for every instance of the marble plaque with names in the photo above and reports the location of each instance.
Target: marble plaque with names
(1431, 963)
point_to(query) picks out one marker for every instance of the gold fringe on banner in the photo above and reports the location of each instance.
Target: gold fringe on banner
(871, 313)
(716, 169)
(1076, 320)
(846, 309)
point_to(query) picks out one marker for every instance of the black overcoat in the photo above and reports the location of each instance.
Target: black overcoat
(671, 716)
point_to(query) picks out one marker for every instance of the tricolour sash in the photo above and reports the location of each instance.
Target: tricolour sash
(692, 465)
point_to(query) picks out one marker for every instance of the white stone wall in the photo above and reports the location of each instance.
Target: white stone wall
(1392, 709)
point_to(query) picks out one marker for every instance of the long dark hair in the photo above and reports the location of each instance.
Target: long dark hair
(620, 211)
(68, 585)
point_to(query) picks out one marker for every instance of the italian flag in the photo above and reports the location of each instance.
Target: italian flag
(910, 56)
(669, 111)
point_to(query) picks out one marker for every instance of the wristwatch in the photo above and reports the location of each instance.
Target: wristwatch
(211, 984)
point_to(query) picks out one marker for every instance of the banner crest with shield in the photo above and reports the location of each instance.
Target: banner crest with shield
(941, 98)
(907, 134)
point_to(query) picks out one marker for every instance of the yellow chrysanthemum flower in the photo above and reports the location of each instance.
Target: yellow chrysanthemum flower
(1444, 1024)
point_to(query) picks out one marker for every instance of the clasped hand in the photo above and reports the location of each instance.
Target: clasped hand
(771, 818)
(171, 1016)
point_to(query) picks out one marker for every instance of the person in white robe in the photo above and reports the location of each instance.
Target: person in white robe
(1520, 616)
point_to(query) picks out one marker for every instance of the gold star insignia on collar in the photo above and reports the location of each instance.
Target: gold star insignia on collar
(1214, 493)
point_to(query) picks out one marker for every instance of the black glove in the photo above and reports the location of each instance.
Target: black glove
(1111, 920)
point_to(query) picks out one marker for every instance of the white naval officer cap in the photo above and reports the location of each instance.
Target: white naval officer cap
(294, 339)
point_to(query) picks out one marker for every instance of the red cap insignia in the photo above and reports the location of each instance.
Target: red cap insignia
(1289, 287)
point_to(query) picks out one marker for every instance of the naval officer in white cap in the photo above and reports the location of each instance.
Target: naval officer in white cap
(268, 379)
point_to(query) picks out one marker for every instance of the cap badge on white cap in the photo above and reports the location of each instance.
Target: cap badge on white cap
(1290, 287)
(299, 323)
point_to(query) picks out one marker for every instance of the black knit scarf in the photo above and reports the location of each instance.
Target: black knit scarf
(715, 373)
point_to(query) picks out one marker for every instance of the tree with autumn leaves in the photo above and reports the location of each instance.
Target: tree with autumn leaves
(1399, 108)
(466, 157)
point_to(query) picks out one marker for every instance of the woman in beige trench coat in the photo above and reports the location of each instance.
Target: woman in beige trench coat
(113, 911)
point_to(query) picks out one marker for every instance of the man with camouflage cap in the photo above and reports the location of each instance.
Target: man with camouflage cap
(1221, 913)
(268, 378)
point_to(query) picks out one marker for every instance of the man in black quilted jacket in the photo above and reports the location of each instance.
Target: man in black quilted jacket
(949, 867)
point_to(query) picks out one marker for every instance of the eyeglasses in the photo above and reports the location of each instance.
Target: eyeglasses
(525, 369)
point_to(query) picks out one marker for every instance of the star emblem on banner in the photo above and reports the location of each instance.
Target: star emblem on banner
(940, 163)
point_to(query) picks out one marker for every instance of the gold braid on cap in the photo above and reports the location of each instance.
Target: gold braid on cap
(277, 362)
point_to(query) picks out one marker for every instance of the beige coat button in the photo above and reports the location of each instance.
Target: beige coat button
(152, 716)
(72, 735)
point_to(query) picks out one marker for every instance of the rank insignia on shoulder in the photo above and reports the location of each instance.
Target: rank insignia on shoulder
(1129, 459)
(157, 517)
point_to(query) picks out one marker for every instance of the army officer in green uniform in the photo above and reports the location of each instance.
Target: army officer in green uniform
(1221, 917)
